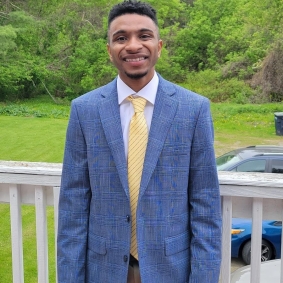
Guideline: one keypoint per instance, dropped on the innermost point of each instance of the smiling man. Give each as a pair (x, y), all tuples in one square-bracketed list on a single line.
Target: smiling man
[(139, 198)]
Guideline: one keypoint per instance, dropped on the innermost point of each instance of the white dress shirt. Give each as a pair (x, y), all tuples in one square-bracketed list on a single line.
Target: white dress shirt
[(127, 109)]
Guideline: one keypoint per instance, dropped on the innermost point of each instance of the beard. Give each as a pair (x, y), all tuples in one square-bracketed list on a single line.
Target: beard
[(136, 76)]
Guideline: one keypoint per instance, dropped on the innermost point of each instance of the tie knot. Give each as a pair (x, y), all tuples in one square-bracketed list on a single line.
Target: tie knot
[(138, 103)]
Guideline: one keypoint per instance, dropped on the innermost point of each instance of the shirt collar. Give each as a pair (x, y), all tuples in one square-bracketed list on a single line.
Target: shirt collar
[(148, 92)]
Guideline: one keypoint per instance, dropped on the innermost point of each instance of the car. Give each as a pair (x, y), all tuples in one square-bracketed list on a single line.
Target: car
[(265, 159), (269, 272), (241, 239)]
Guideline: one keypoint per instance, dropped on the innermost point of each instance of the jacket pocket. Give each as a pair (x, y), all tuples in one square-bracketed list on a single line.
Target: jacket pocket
[(177, 243), (97, 244)]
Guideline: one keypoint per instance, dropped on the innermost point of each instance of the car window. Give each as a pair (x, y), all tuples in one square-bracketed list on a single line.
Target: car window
[(277, 166), (251, 166), (227, 160)]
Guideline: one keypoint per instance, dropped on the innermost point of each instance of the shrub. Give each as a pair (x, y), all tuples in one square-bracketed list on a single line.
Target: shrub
[(269, 79), (210, 84)]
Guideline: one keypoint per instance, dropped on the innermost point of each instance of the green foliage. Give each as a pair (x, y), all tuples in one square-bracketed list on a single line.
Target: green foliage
[(58, 47), (170, 69), (169, 12), (212, 85), (40, 107), (19, 64), (89, 65), (7, 39), (192, 41)]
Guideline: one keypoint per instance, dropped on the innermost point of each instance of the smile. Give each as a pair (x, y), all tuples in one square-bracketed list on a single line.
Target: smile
[(135, 59)]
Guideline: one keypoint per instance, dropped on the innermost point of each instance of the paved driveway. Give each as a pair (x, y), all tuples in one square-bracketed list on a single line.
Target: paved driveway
[(236, 263)]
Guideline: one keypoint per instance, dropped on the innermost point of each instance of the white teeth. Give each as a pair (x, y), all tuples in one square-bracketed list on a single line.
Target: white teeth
[(135, 59)]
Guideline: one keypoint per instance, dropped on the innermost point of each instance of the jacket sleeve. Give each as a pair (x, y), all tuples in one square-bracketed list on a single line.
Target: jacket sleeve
[(204, 198), (74, 201)]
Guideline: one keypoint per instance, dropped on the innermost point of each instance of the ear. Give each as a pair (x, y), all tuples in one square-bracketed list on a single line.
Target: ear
[(160, 43), (109, 52)]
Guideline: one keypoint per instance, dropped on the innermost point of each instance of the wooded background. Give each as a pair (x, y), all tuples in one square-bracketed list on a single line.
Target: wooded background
[(228, 50)]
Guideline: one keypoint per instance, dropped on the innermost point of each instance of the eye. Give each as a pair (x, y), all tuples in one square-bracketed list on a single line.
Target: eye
[(145, 36), (121, 39)]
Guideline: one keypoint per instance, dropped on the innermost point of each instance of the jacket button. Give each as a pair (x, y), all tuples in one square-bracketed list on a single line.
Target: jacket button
[(125, 258), (128, 218)]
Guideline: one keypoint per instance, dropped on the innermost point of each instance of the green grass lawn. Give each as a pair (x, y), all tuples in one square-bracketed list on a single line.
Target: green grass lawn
[(243, 125), (32, 139), (35, 131)]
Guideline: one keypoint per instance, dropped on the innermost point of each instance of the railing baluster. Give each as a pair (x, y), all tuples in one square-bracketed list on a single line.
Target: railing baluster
[(41, 235), (256, 240), (56, 192), (16, 231), (226, 239)]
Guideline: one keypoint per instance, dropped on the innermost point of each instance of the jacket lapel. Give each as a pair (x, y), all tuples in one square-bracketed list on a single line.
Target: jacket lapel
[(164, 112), (111, 123)]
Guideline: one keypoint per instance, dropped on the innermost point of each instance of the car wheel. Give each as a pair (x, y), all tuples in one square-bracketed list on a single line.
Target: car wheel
[(266, 252)]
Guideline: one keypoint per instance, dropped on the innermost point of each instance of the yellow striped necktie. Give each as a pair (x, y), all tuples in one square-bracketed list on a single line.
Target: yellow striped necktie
[(138, 137)]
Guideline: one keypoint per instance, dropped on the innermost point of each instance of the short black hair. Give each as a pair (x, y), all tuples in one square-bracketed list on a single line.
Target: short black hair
[(132, 7)]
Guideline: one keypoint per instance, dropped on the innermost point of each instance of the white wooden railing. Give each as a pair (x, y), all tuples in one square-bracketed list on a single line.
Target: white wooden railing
[(36, 184), (246, 195), (249, 195)]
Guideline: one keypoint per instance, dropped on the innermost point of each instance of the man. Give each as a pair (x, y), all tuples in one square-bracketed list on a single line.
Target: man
[(159, 148)]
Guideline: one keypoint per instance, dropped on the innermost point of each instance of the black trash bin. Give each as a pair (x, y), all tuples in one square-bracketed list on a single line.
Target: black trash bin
[(278, 119)]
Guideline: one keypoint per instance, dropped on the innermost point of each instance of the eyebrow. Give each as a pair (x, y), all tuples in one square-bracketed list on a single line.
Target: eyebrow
[(121, 31)]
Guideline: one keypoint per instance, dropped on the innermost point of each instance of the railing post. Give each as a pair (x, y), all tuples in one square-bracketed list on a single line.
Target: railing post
[(41, 235), (56, 192), (16, 233), (256, 240), (226, 239)]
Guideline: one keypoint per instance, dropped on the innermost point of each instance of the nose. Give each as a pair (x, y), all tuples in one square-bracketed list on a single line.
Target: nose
[(133, 44)]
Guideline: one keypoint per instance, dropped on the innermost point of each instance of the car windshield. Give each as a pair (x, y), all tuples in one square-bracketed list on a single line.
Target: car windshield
[(227, 160)]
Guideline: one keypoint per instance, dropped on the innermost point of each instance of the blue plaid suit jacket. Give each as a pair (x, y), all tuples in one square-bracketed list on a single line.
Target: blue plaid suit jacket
[(178, 213)]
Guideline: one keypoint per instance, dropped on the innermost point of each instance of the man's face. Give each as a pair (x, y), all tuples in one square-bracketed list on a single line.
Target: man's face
[(134, 47)]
